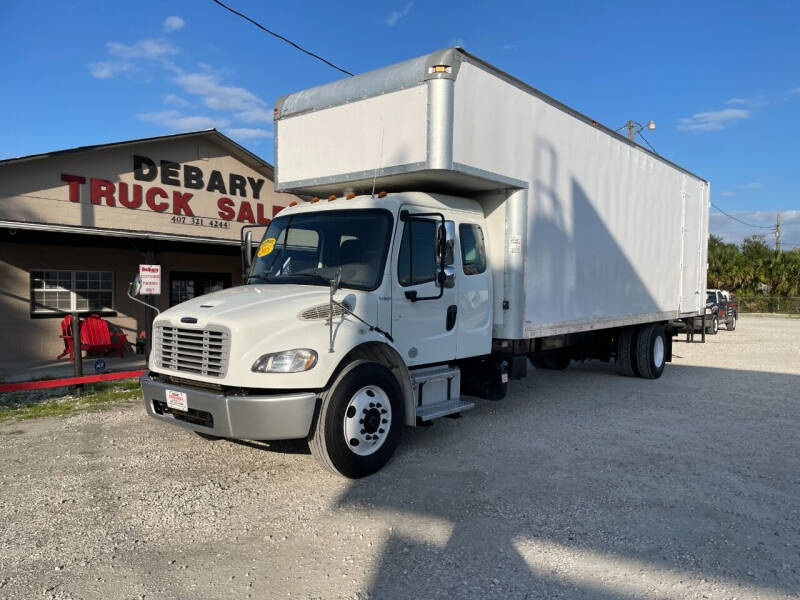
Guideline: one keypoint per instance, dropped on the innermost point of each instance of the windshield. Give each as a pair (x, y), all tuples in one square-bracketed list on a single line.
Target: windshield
[(309, 248), (711, 297)]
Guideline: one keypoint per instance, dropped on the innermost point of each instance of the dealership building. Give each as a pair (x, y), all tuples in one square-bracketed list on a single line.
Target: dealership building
[(75, 226)]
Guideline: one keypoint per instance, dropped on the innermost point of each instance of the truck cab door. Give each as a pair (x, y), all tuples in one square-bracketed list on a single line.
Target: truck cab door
[(424, 313)]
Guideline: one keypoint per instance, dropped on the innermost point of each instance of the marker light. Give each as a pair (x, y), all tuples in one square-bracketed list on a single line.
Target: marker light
[(293, 203), (440, 69), (350, 196), (314, 199), (289, 361), (332, 197), (382, 194)]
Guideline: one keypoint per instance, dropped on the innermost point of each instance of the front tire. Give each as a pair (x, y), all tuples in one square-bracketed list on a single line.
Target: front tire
[(360, 421), (731, 326), (651, 351), (713, 329)]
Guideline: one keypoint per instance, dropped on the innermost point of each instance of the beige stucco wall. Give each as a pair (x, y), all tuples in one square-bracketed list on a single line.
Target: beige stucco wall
[(33, 190), (27, 338)]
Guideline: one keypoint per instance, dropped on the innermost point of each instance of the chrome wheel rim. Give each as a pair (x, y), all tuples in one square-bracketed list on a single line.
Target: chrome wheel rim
[(658, 351), (367, 420)]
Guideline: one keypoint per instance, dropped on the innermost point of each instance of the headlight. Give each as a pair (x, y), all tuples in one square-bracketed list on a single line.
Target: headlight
[(708, 310), (288, 361)]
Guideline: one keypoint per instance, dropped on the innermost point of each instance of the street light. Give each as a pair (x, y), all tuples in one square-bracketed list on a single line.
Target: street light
[(634, 128)]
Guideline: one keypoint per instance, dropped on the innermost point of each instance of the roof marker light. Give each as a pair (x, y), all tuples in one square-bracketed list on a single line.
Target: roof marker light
[(350, 196), (382, 194), (314, 199), (332, 197), (440, 69), (293, 203)]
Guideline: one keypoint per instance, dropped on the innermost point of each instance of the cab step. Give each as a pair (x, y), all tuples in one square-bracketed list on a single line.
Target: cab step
[(437, 392), (442, 409)]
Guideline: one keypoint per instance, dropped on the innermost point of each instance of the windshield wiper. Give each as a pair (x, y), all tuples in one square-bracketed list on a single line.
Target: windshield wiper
[(262, 278), (316, 276)]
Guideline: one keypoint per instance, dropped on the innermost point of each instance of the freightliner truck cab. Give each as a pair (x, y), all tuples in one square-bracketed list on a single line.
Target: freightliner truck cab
[(408, 281)]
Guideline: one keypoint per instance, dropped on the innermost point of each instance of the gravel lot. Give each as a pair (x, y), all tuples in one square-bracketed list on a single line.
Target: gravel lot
[(581, 484)]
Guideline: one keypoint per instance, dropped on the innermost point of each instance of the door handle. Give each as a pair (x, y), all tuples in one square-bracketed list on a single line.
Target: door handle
[(452, 311)]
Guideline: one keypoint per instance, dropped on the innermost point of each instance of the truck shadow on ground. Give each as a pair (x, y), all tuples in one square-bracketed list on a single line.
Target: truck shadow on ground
[(626, 490)]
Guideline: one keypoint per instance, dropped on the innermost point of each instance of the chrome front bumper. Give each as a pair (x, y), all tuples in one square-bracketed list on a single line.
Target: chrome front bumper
[(268, 417)]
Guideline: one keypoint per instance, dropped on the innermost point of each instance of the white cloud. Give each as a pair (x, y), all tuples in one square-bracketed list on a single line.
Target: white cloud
[(218, 96), (754, 185), (107, 70), (177, 121), (396, 15), (173, 24), (727, 194), (795, 90), (256, 115), (175, 100), (713, 120), (510, 46), (150, 48), (248, 133)]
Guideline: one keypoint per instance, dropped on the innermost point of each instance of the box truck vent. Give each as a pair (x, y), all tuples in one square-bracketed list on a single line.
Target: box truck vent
[(322, 311), (200, 351)]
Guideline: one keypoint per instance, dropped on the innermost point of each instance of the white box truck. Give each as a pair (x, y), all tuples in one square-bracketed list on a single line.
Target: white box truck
[(507, 227)]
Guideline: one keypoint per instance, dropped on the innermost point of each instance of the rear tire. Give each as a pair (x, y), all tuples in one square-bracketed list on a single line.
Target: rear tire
[(651, 351), (731, 325), (342, 440), (626, 355)]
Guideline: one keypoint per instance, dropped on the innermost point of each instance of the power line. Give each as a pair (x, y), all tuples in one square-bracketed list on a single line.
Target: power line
[(280, 37), (740, 221), (648, 143)]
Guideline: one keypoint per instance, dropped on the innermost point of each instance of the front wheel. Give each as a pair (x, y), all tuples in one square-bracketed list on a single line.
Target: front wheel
[(713, 329), (360, 421), (731, 323)]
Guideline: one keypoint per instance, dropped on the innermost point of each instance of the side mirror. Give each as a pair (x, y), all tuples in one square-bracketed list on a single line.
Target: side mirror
[(446, 278), (135, 286), (247, 253)]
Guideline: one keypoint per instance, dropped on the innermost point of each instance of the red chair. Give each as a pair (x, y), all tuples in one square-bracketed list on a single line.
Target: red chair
[(95, 335)]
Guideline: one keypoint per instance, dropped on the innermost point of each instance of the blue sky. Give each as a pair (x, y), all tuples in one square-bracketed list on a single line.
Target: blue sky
[(720, 79)]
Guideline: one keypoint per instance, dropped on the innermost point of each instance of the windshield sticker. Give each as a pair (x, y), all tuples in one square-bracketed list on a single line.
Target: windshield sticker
[(266, 247)]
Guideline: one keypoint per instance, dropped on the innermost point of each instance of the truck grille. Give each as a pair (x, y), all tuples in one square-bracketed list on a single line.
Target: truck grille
[(201, 351)]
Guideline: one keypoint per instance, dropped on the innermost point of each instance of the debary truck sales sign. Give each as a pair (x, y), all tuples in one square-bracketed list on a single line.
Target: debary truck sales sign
[(175, 187)]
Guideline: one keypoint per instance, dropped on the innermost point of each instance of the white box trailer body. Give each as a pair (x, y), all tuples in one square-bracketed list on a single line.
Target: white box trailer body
[(586, 229)]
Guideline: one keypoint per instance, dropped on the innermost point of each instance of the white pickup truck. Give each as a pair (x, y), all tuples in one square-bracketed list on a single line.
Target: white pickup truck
[(514, 229)]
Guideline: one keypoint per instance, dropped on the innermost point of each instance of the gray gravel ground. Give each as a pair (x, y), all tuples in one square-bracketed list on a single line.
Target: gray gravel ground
[(581, 484)]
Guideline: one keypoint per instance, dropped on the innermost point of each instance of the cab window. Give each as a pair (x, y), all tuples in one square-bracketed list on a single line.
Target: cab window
[(473, 250), (416, 262)]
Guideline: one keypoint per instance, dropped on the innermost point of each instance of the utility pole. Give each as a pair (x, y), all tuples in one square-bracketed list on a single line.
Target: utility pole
[(778, 234), (631, 132)]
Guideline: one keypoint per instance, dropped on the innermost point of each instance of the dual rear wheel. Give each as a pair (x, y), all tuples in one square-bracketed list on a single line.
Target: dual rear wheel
[(642, 351)]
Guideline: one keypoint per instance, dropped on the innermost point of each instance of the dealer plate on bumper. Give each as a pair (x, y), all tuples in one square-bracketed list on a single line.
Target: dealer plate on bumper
[(177, 400)]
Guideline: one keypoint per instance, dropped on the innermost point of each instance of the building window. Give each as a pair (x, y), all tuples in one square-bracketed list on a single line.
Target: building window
[(58, 292), (185, 285)]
